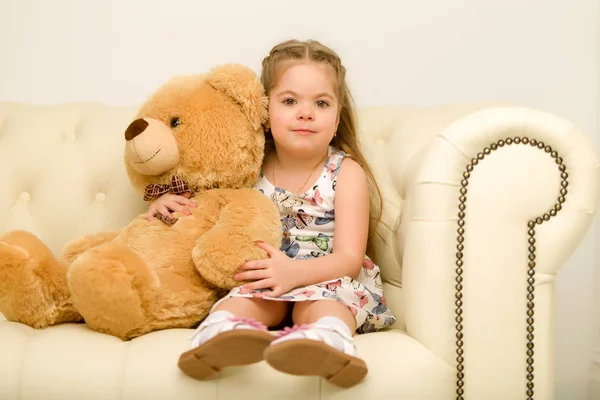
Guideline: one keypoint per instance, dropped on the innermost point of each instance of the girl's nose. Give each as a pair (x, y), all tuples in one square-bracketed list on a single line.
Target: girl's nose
[(305, 114)]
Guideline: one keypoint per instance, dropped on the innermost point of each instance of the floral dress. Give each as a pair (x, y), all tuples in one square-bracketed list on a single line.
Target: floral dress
[(308, 222)]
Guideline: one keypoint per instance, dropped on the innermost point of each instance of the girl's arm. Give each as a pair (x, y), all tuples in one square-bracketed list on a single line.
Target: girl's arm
[(281, 273), (351, 230)]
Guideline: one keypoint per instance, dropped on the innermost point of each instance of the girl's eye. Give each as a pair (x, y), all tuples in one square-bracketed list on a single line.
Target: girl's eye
[(289, 102), (322, 103)]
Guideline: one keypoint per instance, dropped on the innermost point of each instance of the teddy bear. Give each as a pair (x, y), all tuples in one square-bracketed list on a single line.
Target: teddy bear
[(199, 136)]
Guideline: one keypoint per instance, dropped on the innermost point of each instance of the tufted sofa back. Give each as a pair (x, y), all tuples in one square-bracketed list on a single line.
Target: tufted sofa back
[(62, 172)]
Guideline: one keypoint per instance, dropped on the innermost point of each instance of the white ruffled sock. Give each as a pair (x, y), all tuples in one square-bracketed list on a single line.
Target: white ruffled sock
[(329, 330), (218, 322)]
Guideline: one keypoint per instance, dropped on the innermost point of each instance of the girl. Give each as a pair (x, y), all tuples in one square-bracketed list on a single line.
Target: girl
[(316, 175)]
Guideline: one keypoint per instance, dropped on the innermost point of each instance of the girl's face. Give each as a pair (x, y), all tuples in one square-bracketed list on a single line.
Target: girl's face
[(303, 108)]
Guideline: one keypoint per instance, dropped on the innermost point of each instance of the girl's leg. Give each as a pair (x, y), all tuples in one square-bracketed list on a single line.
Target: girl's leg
[(269, 313), (308, 312), (320, 344), (235, 333)]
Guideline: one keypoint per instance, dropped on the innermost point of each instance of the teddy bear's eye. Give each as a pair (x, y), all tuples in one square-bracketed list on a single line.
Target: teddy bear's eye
[(175, 122)]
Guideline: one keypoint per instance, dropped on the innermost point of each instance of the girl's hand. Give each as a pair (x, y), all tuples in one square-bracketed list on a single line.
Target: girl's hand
[(169, 202), (277, 272)]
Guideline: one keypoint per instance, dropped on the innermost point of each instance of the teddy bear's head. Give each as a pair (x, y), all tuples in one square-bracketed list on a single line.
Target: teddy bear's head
[(204, 129)]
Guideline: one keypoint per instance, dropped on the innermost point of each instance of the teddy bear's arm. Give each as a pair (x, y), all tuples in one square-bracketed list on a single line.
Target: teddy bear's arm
[(247, 217), (77, 246)]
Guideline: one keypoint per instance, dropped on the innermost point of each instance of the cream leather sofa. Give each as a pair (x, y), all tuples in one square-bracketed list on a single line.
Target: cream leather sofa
[(461, 184)]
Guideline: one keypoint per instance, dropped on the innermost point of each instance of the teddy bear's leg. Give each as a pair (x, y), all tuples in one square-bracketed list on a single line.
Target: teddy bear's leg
[(117, 293), (33, 284), (110, 286), (77, 246)]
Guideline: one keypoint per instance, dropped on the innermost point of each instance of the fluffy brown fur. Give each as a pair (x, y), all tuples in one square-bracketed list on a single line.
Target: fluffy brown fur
[(152, 276)]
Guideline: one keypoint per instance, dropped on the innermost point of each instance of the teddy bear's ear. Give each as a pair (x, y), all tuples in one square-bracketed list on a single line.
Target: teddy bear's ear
[(242, 84)]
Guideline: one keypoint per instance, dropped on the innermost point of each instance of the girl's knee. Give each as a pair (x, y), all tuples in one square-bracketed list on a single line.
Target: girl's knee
[(272, 305), (266, 311), (311, 311)]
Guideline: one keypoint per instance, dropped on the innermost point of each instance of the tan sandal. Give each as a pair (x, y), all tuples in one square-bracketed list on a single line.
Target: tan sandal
[(234, 345), (313, 355)]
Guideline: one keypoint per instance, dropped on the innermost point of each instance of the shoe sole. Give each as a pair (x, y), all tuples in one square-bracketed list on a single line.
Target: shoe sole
[(307, 357), (235, 347)]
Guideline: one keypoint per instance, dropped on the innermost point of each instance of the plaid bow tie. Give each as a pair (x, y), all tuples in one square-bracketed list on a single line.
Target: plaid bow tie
[(155, 190)]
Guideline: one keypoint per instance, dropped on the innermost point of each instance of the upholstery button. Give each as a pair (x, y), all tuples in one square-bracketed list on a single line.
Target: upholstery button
[(25, 197), (69, 136), (100, 196)]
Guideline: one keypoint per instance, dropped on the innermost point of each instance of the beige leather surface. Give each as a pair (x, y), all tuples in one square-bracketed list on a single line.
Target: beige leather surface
[(62, 176)]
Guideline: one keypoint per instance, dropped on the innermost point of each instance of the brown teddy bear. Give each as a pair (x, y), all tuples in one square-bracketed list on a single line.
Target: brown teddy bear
[(198, 135)]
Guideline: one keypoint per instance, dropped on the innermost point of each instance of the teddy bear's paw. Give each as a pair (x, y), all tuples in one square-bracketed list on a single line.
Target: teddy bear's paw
[(218, 265), (247, 218), (14, 273), (214, 265), (33, 287), (114, 290)]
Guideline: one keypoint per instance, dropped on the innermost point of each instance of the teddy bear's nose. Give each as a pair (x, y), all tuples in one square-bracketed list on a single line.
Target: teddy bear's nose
[(135, 128)]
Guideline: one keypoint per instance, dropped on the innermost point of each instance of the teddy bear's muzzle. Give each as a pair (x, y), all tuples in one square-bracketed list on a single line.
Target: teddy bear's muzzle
[(151, 148)]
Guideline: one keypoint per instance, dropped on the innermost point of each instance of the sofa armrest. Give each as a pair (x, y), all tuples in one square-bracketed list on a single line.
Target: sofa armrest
[(502, 198)]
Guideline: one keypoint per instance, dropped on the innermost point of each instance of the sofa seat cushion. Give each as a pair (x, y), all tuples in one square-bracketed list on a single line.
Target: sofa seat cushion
[(70, 361)]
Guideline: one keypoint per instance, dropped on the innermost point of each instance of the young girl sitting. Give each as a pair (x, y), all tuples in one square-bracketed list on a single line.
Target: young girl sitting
[(316, 175)]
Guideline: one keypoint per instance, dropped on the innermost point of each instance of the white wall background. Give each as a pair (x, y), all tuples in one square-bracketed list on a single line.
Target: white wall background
[(539, 53)]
